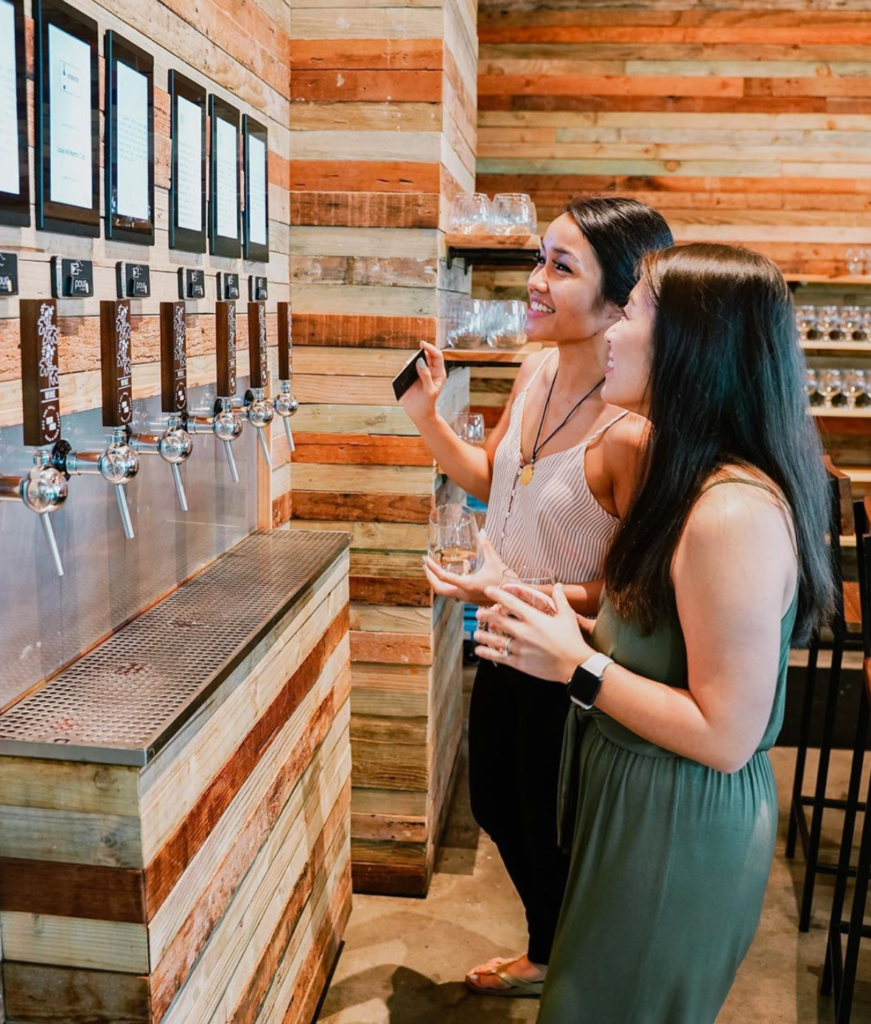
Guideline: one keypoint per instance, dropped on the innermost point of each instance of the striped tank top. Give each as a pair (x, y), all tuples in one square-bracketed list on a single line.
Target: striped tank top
[(554, 521)]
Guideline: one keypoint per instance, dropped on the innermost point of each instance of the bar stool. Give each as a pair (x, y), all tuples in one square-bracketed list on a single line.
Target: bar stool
[(845, 624), (839, 973)]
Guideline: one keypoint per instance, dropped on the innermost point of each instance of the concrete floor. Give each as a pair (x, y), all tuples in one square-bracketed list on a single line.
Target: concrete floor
[(404, 959)]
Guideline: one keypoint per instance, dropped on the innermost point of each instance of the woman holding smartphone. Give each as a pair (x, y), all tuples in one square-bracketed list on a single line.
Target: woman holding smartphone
[(720, 563), (561, 456)]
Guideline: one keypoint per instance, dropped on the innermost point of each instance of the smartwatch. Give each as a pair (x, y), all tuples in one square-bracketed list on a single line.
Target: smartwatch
[(586, 680)]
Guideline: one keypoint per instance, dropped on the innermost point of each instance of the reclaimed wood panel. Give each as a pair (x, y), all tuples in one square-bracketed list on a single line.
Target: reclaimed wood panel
[(387, 135)]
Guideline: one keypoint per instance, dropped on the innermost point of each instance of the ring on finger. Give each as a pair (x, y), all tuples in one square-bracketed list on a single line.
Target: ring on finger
[(506, 650)]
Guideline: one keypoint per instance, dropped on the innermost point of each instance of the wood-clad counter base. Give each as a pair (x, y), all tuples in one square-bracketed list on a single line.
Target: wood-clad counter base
[(194, 868)]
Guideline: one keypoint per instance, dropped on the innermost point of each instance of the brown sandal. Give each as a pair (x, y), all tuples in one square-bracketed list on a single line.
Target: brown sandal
[(517, 988)]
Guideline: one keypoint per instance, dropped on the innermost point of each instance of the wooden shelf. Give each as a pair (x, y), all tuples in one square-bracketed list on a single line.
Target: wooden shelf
[(860, 279), (864, 412), (490, 356), (491, 250), (837, 346)]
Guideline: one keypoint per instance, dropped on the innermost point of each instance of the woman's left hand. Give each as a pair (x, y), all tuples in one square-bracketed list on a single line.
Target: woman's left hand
[(542, 645), (470, 588)]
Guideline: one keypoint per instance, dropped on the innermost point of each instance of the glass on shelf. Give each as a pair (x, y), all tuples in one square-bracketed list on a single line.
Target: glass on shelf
[(855, 261), (853, 386), (810, 382), (471, 214), (829, 323), (507, 327), (453, 539), (829, 385), (851, 323), (513, 214), (805, 321), (467, 323)]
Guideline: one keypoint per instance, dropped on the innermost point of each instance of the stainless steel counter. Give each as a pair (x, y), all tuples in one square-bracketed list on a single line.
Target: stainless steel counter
[(120, 703)]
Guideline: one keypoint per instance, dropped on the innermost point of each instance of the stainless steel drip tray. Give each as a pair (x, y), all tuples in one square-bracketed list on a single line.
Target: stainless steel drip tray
[(123, 701)]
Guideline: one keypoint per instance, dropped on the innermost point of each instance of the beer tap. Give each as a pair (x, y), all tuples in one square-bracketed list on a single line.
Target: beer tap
[(174, 445), (43, 490), (225, 423), (117, 463), (257, 406), (284, 404)]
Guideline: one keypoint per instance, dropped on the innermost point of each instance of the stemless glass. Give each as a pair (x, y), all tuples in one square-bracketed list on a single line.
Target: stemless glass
[(470, 214), (829, 385), (513, 214), (469, 427), (468, 323), (507, 324), (533, 578), (811, 383), (853, 386), (453, 539)]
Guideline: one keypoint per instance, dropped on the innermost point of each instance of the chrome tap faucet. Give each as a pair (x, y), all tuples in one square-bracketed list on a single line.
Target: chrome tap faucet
[(225, 423), (257, 407), (175, 444), (284, 403), (43, 490), (117, 463)]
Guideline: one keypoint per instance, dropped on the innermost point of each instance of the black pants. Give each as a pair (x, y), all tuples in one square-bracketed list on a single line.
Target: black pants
[(515, 737)]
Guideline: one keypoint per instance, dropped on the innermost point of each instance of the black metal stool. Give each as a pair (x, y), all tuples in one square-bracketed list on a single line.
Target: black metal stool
[(845, 622), (839, 974)]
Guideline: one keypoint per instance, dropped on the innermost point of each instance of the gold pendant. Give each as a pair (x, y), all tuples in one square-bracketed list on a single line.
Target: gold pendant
[(526, 473)]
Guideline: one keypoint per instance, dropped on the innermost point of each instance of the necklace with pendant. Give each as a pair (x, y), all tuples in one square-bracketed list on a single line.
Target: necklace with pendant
[(528, 468)]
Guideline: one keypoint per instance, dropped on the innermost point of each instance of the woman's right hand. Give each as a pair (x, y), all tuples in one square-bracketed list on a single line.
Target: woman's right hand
[(420, 399)]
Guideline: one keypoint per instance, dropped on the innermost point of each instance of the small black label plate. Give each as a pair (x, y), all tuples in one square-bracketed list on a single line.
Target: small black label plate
[(71, 279), (228, 287), (191, 283), (8, 274), (133, 280), (258, 289)]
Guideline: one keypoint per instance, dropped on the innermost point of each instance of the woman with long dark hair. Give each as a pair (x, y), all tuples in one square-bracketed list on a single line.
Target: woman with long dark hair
[(560, 457), (720, 563)]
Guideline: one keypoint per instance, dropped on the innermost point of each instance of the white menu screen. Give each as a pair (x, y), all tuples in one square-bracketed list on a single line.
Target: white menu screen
[(189, 147), (132, 144), (9, 177), (70, 118), (257, 189), (227, 156)]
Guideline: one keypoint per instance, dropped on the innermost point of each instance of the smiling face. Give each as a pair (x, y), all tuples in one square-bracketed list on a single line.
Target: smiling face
[(565, 288), (630, 353)]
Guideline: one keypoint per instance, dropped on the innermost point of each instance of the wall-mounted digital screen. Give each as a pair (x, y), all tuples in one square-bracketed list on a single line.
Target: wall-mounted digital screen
[(14, 177), (224, 179), (68, 120), (187, 190), (129, 142), (256, 150)]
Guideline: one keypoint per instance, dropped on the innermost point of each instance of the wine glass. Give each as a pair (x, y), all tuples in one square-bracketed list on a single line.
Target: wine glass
[(811, 384), (851, 321), (453, 539), (470, 214), (829, 385), (855, 259), (805, 320), (852, 386), (470, 428), (829, 322)]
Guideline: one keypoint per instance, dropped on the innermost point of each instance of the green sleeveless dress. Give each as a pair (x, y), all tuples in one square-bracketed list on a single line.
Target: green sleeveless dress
[(670, 859)]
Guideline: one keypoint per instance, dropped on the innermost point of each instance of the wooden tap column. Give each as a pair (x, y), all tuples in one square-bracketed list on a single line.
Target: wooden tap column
[(383, 135)]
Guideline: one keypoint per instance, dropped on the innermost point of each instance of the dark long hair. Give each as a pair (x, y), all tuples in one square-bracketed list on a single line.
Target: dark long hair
[(726, 388), (620, 231)]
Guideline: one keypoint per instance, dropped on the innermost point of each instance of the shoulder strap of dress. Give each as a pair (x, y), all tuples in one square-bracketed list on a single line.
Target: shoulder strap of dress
[(602, 430), (538, 370)]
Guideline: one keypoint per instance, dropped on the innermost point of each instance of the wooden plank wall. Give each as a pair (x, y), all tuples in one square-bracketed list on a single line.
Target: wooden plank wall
[(214, 884), (743, 121), (238, 52), (383, 135)]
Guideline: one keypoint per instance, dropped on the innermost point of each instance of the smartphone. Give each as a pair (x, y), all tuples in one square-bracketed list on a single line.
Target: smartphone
[(407, 375)]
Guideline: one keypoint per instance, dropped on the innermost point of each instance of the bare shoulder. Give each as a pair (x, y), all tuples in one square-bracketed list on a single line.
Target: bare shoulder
[(528, 368), (624, 440)]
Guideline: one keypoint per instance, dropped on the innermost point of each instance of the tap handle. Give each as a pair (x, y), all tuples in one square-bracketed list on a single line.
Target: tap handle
[(51, 540), (173, 358), (124, 509), (225, 344), (39, 372), (288, 433), (179, 486), (231, 461), (116, 362), (285, 342), (259, 366)]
